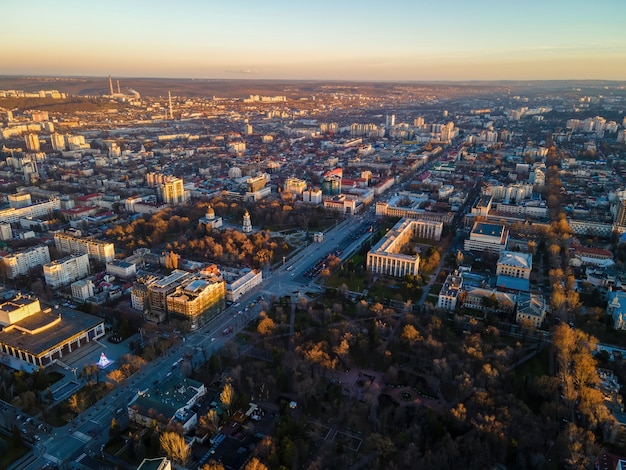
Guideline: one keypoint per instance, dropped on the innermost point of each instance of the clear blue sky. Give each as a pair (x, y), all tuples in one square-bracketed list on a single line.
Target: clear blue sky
[(300, 39)]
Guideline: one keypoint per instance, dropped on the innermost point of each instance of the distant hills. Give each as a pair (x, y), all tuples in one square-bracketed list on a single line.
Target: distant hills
[(154, 87)]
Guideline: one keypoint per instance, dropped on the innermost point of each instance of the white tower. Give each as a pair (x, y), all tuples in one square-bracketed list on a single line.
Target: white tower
[(247, 224), (111, 85)]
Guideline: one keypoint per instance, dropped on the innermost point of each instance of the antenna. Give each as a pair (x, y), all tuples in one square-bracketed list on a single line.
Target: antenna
[(169, 97), (111, 84), (118, 87)]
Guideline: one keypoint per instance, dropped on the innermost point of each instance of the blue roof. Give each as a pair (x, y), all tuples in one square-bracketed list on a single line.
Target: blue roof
[(513, 283)]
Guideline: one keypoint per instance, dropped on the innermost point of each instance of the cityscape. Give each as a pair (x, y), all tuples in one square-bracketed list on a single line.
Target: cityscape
[(313, 236), (316, 275)]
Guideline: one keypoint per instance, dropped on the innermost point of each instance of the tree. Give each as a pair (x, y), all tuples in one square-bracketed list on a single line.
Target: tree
[(211, 420), (255, 464), (114, 429), (410, 334), (227, 396), (266, 326), (77, 403), (213, 465), (175, 447)]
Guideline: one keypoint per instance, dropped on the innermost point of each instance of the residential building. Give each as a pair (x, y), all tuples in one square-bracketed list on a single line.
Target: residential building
[(18, 264), (121, 269), (295, 185), (194, 297), (103, 252), (32, 142), (64, 271)]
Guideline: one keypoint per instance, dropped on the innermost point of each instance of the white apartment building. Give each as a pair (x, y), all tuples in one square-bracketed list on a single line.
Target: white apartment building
[(20, 263), (12, 215), (98, 250), (121, 269), (66, 270), (237, 284)]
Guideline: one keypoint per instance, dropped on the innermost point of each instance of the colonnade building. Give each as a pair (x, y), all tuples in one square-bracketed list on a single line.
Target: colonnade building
[(36, 337), (387, 258)]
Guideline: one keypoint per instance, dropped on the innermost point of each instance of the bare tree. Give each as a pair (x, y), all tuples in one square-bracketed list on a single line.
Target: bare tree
[(227, 396)]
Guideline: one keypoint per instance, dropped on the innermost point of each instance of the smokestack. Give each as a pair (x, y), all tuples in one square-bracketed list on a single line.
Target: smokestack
[(111, 84), (118, 87)]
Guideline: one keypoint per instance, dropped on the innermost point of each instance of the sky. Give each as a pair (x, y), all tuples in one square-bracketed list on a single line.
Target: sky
[(387, 40)]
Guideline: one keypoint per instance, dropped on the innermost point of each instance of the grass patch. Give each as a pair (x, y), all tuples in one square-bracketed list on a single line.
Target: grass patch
[(13, 452)]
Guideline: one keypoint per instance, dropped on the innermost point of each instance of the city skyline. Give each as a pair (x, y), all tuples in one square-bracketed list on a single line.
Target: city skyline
[(327, 41)]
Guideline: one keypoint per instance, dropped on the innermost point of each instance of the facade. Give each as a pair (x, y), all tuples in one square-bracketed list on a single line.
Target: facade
[(13, 215), (450, 291), (195, 296), (36, 337), (121, 269), (474, 299), (312, 196), (386, 257), (487, 237), (514, 264), (238, 283), (98, 250), (210, 221), (385, 209), (247, 223), (531, 310), (616, 309), (6, 233), (295, 185), (20, 263), (82, 290), (170, 189), (66, 270), (19, 200), (32, 142)]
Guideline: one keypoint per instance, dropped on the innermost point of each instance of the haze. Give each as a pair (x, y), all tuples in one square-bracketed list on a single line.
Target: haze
[(347, 40)]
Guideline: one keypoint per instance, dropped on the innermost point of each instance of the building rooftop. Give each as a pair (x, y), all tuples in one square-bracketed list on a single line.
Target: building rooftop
[(519, 260), (71, 323)]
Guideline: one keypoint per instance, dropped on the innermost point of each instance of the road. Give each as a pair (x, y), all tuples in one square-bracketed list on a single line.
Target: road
[(89, 432)]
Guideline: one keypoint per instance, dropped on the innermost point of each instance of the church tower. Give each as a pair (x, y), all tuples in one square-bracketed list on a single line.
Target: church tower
[(247, 224)]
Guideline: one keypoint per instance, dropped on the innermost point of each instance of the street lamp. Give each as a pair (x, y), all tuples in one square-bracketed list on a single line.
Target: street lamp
[(74, 369)]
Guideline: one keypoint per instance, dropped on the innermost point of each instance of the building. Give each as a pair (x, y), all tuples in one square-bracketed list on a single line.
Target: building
[(121, 269), (480, 299), (247, 223), (514, 264), (66, 270), (450, 291), (19, 200), (6, 233), (295, 185), (170, 189), (82, 290), (13, 215), (210, 221), (342, 204), (159, 463), (194, 297), (34, 337), (103, 252), (616, 309), (386, 257), (531, 310), (171, 402), (312, 196), (19, 264), (32, 142), (487, 237), (58, 142), (240, 282)]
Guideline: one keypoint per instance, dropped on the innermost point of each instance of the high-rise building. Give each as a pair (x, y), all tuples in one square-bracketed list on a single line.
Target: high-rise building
[(620, 213), (18, 264), (66, 270), (58, 142), (96, 249), (32, 142)]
